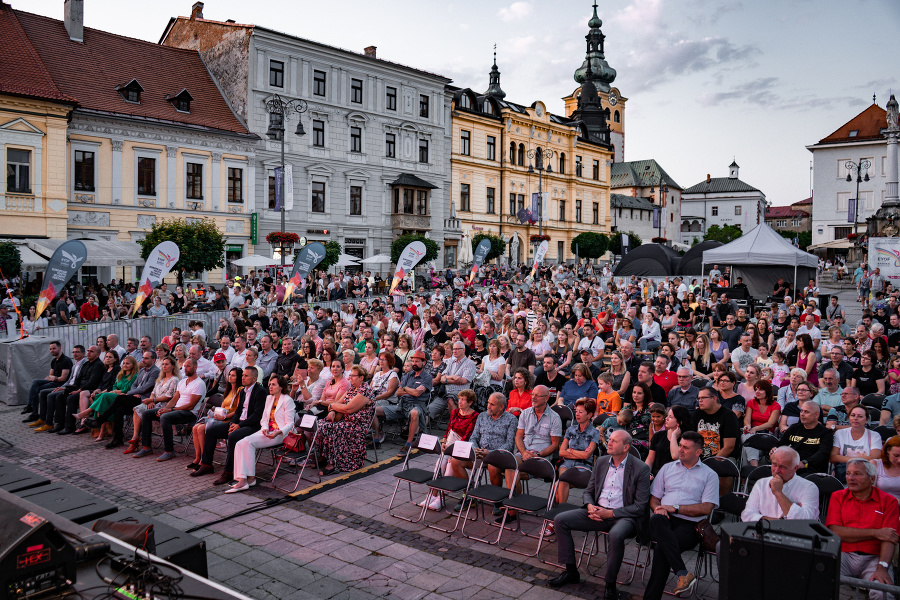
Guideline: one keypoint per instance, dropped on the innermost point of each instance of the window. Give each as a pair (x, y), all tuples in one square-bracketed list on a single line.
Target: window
[(235, 185), (841, 233), (465, 139), (562, 163), (465, 101), (521, 198), (390, 145), (408, 197), (738, 210), (488, 107), (194, 189), (596, 214), (596, 170), (521, 155), (715, 211), (319, 83), (318, 196), (423, 151), (577, 165), (132, 92), (464, 204), (795, 222), (319, 134), (423, 107), (867, 200), (562, 210), (271, 192), (449, 256), (491, 148), (781, 223), (489, 199), (512, 204), (390, 98), (18, 171), (355, 139), (512, 153), (183, 103), (559, 250), (146, 182), (421, 202), (578, 211), (616, 117), (276, 73), (843, 201), (842, 168), (84, 171), (355, 199), (356, 91)]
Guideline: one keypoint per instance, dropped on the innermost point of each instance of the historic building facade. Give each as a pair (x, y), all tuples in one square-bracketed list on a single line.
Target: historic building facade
[(720, 201), (373, 162), (649, 186)]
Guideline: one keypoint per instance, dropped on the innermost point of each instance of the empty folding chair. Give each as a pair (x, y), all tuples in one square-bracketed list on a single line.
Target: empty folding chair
[(565, 414), (531, 504), (755, 475), (448, 485), (487, 492), (577, 478), (724, 468), (427, 444), (308, 425)]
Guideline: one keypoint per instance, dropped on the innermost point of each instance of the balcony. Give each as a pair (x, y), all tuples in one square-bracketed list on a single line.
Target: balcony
[(402, 221), (19, 203)]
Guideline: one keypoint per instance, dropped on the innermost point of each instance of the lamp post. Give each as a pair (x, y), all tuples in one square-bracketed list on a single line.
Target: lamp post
[(663, 191), (539, 155), (278, 109), (859, 167)]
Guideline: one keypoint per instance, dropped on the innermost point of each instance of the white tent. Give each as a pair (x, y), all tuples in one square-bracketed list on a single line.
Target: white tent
[(757, 256)]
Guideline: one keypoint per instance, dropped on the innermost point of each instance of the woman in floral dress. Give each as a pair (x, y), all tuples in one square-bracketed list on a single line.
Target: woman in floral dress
[(342, 440)]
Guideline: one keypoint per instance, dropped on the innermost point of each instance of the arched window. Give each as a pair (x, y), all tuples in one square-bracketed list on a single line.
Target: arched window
[(521, 155), (685, 227), (465, 101), (562, 163), (617, 117), (488, 107), (512, 152)]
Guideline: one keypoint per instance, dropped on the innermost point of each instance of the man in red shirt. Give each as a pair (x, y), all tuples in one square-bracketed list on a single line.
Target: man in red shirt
[(89, 311), (867, 520), (662, 376), (466, 333)]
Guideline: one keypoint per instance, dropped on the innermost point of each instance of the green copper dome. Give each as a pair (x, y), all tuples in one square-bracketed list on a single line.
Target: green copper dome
[(602, 75)]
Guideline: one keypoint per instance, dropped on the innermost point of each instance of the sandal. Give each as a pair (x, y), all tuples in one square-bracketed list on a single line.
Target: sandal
[(328, 471), (132, 446)]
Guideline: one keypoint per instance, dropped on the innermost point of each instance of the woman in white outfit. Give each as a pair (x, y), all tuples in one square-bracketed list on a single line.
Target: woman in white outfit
[(277, 419)]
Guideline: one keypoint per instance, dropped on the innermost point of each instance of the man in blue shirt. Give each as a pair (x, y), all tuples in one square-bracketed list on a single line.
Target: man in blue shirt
[(413, 396)]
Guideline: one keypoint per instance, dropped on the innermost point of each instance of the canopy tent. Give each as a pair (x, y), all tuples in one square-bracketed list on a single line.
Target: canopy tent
[(761, 256), (255, 260), (691, 263), (649, 260), (377, 259), (31, 260), (100, 253)]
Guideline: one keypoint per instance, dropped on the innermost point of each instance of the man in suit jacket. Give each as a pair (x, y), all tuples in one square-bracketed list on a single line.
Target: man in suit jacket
[(251, 402), (88, 378), (615, 501)]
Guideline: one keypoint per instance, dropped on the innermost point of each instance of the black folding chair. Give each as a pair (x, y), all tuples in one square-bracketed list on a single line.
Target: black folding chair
[(885, 432), (488, 492), (873, 401), (577, 478), (755, 475), (827, 484), (531, 504), (565, 415), (764, 442), (411, 475), (724, 468), (309, 459), (448, 485), (733, 504)]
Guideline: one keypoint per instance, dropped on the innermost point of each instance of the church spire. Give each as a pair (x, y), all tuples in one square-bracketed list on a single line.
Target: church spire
[(602, 74), (494, 88)]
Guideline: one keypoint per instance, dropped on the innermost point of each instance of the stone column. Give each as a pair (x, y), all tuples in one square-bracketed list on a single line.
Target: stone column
[(892, 133), (117, 172), (171, 170), (218, 198)]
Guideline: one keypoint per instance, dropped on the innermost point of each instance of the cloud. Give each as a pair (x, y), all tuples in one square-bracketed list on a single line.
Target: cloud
[(515, 11), (770, 93)]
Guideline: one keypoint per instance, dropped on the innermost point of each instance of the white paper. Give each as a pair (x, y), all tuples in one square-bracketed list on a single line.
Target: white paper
[(308, 421), (462, 450), (428, 441), (220, 411)]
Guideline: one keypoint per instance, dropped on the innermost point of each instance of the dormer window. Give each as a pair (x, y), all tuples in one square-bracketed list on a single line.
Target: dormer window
[(465, 102), (131, 91), (181, 101), (488, 108), (853, 133)]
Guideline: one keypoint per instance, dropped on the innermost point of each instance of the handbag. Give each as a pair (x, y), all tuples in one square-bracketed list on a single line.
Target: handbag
[(139, 535), (708, 536), (295, 442)]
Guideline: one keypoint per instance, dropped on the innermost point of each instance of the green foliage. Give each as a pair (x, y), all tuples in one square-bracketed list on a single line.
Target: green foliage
[(431, 247), (332, 255), (695, 241), (725, 234), (805, 237), (201, 244), (590, 245), (10, 260), (615, 242), (498, 246)]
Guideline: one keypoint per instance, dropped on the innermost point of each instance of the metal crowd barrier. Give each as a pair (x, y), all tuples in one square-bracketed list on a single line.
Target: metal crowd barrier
[(864, 584)]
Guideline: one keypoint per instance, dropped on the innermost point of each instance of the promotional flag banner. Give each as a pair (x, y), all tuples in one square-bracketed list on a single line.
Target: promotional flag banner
[(158, 265), (851, 210), (63, 264), (288, 187), (409, 258), (539, 256), (277, 189), (481, 252), (307, 259), (656, 217), (625, 244)]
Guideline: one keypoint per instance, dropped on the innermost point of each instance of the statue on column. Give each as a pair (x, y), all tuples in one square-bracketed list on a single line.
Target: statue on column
[(514, 252), (892, 113)]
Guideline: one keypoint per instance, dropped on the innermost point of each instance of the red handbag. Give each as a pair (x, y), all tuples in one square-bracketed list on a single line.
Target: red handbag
[(295, 442)]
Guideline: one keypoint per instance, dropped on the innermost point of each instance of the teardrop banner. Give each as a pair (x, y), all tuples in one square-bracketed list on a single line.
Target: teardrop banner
[(307, 259), (63, 264), (409, 258), (539, 257), (481, 252), (157, 266)]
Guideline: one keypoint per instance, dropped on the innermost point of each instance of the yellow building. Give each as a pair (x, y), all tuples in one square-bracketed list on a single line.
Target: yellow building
[(497, 147)]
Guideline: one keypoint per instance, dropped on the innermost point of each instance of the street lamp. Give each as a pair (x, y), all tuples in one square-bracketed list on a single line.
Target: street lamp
[(278, 109), (539, 155), (663, 191), (862, 165)]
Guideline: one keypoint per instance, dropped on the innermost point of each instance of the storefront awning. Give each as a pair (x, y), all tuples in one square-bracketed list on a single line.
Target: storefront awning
[(100, 253)]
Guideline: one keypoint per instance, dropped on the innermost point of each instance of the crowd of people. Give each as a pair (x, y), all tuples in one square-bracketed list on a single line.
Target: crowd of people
[(677, 372)]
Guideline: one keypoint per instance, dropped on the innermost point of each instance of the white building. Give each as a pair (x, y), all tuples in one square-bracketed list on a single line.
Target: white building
[(720, 201), (647, 181), (857, 141), (635, 215)]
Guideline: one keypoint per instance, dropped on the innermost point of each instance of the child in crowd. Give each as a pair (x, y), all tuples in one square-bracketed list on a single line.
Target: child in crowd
[(780, 371), (608, 401), (619, 421), (763, 359)]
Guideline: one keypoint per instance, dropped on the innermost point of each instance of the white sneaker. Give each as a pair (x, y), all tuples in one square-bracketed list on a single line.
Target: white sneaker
[(436, 503)]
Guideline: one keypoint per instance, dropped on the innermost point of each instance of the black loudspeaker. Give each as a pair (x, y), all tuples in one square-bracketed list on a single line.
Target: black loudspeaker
[(779, 560), (34, 555)]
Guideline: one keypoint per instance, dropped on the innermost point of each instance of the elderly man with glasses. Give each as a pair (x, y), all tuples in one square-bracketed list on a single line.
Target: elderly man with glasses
[(685, 393)]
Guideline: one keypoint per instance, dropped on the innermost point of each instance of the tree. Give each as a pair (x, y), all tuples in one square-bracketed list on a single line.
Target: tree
[(725, 234), (498, 246), (615, 242), (590, 245), (201, 244), (431, 247), (10, 259), (805, 237), (332, 255)]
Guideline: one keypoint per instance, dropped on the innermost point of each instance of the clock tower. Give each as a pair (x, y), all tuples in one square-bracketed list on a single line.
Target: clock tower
[(597, 69)]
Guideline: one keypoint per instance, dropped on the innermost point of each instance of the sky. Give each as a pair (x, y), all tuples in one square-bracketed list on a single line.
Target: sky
[(707, 81)]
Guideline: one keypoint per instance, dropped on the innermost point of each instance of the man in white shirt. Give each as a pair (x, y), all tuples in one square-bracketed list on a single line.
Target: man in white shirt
[(226, 348), (784, 494), (205, 368), (592, 342), (682, 288), (112, 341), (743, 356), (239, 359), (809, 326), (181, 409)]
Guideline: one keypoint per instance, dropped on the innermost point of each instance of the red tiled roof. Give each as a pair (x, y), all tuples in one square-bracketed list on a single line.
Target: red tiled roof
[(783, 212), (805, 202), (868, 125), (23, 74), (90, 73)]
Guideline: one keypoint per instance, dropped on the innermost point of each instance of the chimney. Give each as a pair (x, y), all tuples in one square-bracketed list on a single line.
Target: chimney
[(370, 51), (707, 178), (197, 11), (73, 12)]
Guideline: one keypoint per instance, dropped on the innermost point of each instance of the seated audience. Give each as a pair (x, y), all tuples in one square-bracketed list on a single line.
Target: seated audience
[(784, 495), (342, 435), (810, 439)]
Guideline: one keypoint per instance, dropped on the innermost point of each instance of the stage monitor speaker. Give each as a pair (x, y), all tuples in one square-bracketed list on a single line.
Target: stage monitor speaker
[(779, 560), (34, 555)]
